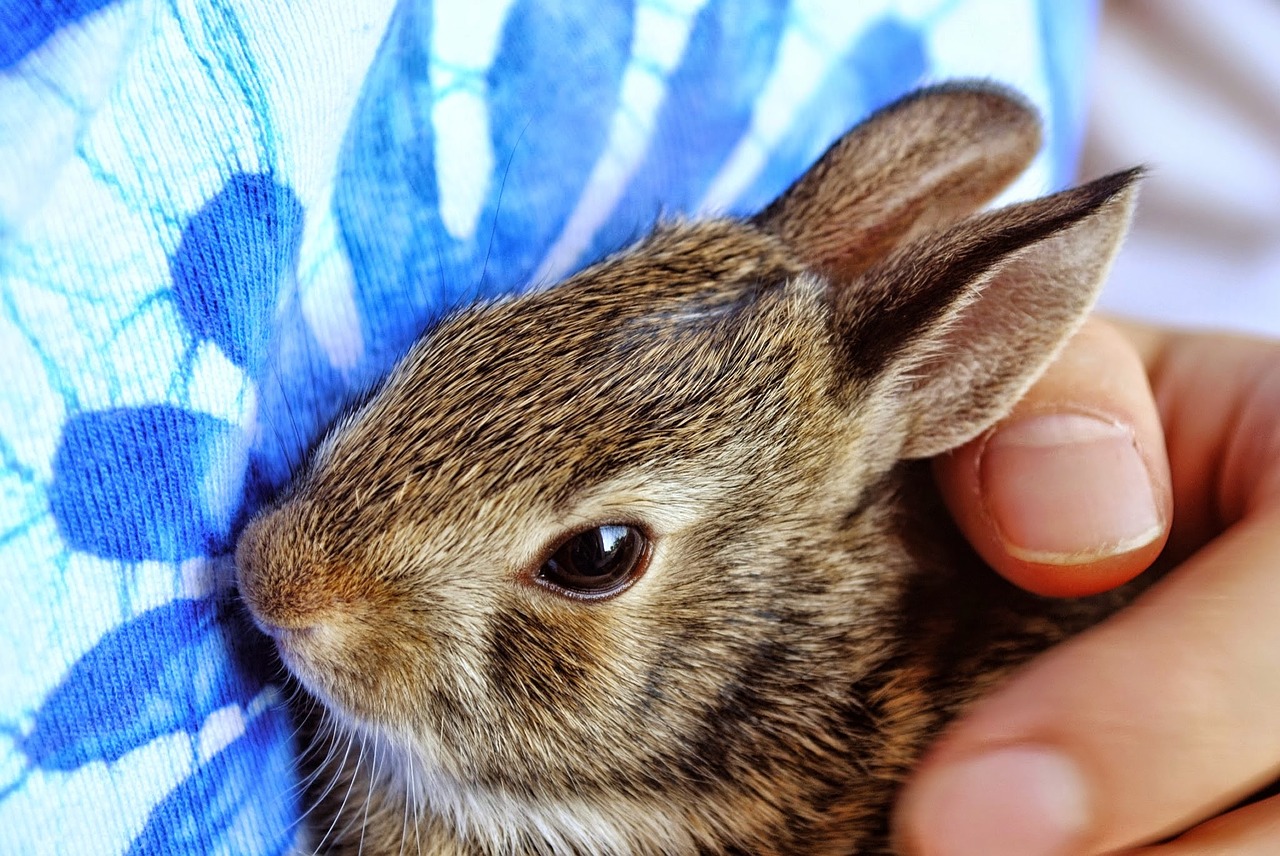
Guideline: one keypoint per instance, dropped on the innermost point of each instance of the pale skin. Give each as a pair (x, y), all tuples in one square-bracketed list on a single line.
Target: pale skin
[(1164, 717)]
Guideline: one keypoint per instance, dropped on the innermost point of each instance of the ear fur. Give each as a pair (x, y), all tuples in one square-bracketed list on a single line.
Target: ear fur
[(951, 329), (917, 165), (941, 323)]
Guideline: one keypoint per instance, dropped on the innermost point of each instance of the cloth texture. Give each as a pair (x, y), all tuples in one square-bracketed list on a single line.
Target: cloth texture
[(221, 221)]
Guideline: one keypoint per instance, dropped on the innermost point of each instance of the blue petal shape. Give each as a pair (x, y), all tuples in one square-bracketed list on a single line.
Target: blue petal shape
[(27, 24), (162, 672), (299, 395), (244, 800), (710, 99), (887, 60), (553, 90), (129, 483), (385, 196), (233, 255)]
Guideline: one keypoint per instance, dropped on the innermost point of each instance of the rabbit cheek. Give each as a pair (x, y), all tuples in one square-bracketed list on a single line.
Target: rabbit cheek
[(544, 665), (538, 666), (553, 676)]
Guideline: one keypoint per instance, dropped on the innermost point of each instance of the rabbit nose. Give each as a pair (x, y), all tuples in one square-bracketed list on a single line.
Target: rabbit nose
[(282, 582)]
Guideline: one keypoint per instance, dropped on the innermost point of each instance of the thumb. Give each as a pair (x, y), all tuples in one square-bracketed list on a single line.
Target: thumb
[(1070, 494)]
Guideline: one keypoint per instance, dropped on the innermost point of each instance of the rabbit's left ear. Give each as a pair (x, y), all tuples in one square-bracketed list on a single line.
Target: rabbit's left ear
[(941, 338)]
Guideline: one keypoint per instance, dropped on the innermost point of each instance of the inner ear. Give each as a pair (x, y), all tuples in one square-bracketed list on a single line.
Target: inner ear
[(916, 165), (952, 329)]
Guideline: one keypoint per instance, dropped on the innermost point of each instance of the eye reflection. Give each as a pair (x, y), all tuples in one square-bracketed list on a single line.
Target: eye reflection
[(597, 562)]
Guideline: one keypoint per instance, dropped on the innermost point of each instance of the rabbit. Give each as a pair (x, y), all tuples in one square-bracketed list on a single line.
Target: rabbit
[(650, 561)]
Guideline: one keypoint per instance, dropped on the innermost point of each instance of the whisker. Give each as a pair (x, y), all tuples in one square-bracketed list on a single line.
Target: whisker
[(416, 795), (355, 774), (497, 209), (291, 705), (288, 409), (275, 432), (311, 749), (337, 774), (368, 797), (404, 824), (429, 305)]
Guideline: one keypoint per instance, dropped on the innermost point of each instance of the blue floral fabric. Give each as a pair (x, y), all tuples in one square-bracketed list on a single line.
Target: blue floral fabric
[(221, 220)]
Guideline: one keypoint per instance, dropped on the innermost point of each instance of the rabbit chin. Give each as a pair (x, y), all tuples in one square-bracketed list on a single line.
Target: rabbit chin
[(499, 821)]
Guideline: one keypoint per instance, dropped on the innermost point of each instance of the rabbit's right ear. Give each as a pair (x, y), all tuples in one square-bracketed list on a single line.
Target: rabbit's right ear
[(917, 165), (942, 318)]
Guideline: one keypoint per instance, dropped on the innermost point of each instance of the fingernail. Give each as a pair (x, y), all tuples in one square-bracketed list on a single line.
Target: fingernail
[(1066, 488), (1020, 801)]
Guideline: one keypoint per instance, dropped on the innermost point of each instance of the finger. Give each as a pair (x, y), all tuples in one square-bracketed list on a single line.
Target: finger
[(1070, 494), (1250, 831), (1219, 398), (1162, 716)]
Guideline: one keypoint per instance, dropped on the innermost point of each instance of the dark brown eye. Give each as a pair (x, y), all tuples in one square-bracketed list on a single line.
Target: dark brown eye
[(597, 562)]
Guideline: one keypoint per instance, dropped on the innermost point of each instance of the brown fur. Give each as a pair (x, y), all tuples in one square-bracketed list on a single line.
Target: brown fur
[(748, 393)]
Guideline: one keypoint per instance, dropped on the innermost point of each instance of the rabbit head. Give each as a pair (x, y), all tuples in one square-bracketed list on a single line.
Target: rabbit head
[(607, 567)]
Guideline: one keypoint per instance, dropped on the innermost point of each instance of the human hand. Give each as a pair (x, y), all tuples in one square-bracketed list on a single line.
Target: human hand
[(1168, 713)]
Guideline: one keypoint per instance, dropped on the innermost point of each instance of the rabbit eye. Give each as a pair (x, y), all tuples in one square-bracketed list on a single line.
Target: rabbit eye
[(597, 563)]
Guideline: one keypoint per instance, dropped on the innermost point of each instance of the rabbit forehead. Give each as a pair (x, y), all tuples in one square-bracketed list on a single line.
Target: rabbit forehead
[(679, 349)]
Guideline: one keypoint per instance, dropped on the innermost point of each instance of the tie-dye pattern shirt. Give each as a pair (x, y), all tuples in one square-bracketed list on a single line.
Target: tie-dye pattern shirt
[(221, 219)]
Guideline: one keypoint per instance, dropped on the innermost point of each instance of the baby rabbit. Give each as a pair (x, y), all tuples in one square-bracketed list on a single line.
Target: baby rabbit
[(646, 563)]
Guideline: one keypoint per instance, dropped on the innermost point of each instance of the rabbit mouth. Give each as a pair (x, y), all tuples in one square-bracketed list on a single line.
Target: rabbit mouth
[(313, 656)]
